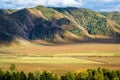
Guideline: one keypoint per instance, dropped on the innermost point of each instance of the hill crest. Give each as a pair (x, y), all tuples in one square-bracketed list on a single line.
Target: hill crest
[(59, 24)]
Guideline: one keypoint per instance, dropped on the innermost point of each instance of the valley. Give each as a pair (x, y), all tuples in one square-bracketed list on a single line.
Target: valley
[(61, 58), (59, 39)]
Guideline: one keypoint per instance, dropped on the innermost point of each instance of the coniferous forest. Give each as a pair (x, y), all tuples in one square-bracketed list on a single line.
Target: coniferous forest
[(90, 74)]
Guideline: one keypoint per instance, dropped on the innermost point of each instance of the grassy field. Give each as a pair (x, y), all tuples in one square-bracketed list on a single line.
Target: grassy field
[(61, 58)]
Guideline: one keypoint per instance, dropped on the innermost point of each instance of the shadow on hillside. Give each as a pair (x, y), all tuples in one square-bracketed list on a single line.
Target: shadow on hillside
[(98, 40)]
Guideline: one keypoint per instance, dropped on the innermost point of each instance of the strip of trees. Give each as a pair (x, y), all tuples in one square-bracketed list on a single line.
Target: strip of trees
[(97, 74)]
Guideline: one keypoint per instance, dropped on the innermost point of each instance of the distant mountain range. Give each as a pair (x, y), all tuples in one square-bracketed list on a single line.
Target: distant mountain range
[(59, 25)]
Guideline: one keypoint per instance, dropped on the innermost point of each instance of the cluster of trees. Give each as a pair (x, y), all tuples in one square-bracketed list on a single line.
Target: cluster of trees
[(13, 74), (93, 21), (76, 31), (116, 16), (67, 24), (31, 76), (48, 12), (98, 74), (112, 15)]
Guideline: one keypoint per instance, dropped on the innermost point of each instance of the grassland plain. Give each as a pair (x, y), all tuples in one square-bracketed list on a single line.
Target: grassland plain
[(61, 58)]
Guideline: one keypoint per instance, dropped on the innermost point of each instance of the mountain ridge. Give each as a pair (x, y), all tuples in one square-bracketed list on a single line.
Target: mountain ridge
[(59, 25)]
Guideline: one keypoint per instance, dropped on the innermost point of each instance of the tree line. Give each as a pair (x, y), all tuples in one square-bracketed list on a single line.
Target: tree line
[(90, 74)]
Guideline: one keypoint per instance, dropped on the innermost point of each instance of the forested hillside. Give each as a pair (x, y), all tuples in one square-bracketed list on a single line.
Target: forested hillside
[(59, 25), (94, 22)]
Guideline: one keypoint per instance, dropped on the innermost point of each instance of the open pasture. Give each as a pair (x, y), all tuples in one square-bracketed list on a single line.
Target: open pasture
[(61, 58)]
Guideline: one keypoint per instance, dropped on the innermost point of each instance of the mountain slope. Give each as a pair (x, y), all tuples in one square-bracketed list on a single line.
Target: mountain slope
[(114, 16), (93, 22), (59, 25), (9, 28)]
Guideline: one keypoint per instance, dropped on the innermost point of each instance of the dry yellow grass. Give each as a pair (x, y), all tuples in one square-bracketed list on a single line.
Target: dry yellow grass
[(57, 68), (61, 58), (88, 48)]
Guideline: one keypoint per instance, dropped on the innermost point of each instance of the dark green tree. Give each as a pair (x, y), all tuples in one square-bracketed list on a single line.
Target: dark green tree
[(90, 74), (82, 76), (70, 76), (1, 74), (37, 75), (7, 76), (98, 75), (48, 76), (106, 78), (23, 76), (31, 76), (113, 75)]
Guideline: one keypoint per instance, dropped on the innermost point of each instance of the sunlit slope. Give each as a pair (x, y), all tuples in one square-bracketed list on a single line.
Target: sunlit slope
[(58, 25)]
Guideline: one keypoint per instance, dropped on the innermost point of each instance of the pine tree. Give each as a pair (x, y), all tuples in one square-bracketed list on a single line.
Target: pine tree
[(1, 74), (106, 78), (90, 74), (31, 76), (98, 75), (23, 76), (37, 75), (113, 75), (7, 76), (70, 76)]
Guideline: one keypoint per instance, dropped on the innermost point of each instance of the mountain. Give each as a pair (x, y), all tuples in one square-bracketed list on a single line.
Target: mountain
[(93, 22), (59, 25), (115, 15)]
